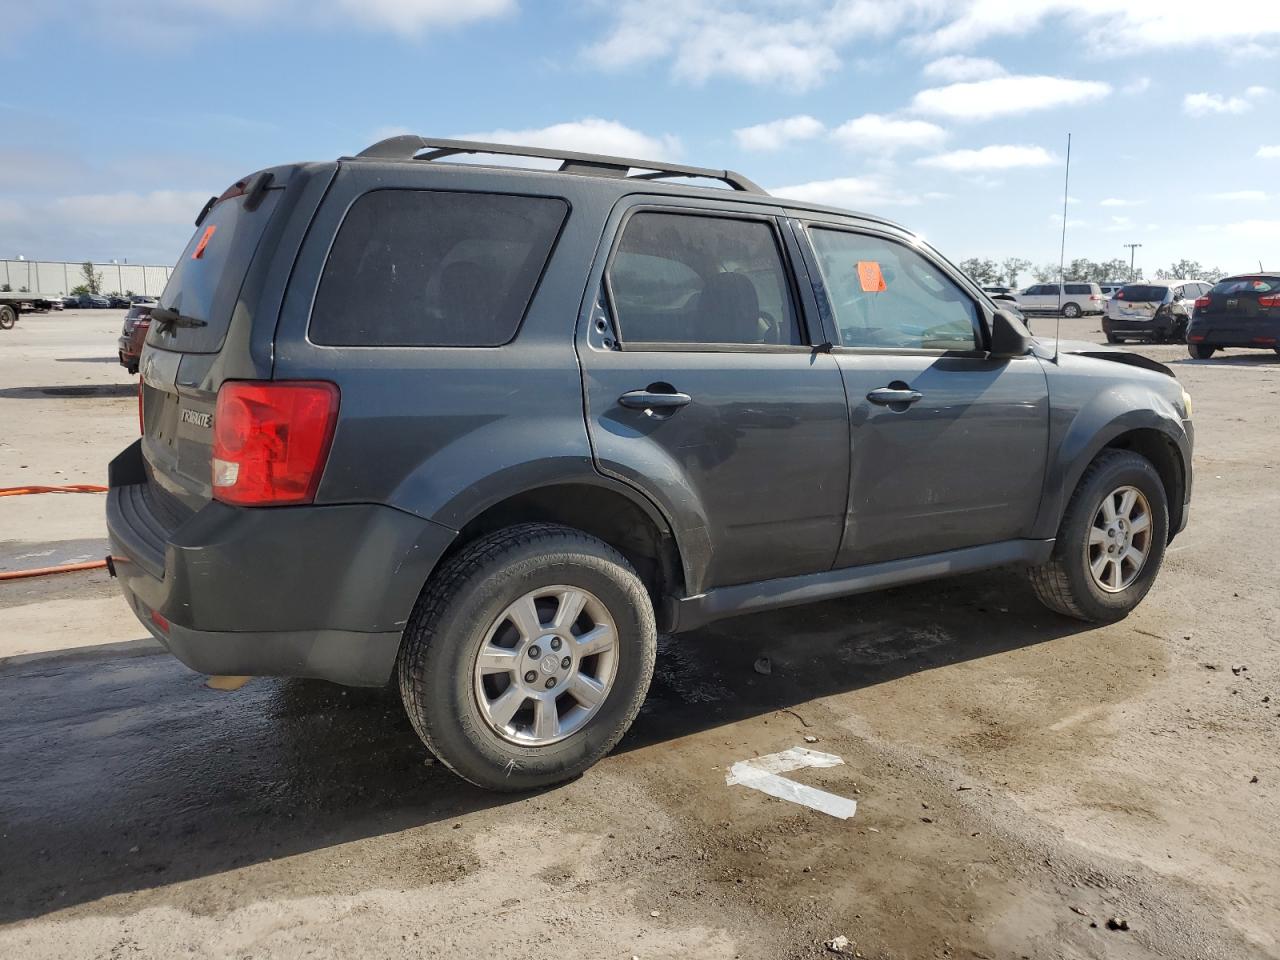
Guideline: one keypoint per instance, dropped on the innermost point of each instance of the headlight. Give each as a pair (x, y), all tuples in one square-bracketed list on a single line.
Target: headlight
[(1186, 402)]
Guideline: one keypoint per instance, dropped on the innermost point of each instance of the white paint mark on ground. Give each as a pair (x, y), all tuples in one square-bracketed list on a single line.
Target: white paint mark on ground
[(762, 773)]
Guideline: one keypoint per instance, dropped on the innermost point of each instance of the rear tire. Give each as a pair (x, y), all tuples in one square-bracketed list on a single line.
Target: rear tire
[(8, 317), (1199, 351), (504, 595), (1081, 579), (1112, 338), (1071, 310)]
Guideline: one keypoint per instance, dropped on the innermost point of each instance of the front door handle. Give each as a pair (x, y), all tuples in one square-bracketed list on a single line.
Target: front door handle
[(892, 396), (655, 400)]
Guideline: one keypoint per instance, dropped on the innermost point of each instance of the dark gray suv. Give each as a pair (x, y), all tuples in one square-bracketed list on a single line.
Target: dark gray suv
[(486, 430)]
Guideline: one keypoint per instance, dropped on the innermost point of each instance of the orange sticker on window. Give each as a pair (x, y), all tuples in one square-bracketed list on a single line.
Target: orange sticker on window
[(204, 241), (870, 277)]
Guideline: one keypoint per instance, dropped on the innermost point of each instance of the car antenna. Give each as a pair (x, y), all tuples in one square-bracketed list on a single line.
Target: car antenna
[(1062, 254)]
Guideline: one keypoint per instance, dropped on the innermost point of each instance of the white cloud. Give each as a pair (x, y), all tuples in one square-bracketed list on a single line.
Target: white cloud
[(851, 192), (778, 133), (1117, 202), (1247, 229), (157, 206), (1241, 195), (1270, 152), (415, 16), (873, 131), (1202, 104), (994, 157), (763, 42), (1107, 29), (960, 68), (1136, 86), (1119, 225), (590, 135), (1006, 96)]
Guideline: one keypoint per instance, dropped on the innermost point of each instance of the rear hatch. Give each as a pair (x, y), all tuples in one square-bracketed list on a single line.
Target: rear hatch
[(195, 337), (1136, 301), (1242, 298)]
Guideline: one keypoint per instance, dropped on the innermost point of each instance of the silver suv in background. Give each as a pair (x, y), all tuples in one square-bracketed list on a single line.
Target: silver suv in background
[(1077, 298), (1158, 311)]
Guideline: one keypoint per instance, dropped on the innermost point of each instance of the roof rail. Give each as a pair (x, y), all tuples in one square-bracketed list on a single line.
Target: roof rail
[(411, 147)]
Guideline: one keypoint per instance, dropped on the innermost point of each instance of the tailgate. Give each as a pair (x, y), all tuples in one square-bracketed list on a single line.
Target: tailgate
[(180, 368)]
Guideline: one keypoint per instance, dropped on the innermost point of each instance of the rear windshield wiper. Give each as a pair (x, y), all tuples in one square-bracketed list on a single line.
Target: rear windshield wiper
[(172, 318)]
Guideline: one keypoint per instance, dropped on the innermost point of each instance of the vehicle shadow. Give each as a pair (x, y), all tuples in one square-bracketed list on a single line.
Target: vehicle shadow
[(120, 774), (71, 392)]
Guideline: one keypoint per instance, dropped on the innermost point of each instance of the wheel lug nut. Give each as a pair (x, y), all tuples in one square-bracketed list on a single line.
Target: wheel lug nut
[(530, 676), (555, 643), (564, 664), (535, 652), (551, 682)]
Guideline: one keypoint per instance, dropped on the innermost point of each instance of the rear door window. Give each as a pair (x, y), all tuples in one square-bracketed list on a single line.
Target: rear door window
[(1079, 288), (424, 268), (206, 281), (690, 278), (884, 294)]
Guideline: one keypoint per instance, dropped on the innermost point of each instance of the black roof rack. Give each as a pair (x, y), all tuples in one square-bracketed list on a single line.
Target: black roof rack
[(411, 147)]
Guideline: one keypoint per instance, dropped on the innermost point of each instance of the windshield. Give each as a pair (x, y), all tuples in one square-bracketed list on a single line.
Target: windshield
[(1142, 293), (206, 281)]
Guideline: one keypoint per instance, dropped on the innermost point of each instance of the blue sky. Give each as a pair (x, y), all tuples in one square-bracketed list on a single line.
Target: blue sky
[(121, 118)]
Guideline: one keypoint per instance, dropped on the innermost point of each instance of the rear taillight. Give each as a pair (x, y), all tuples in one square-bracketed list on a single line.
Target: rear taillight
[(1271, 301), (142, 430), (1119, 295), (1202, 302), (271, 440), (1094, 296)]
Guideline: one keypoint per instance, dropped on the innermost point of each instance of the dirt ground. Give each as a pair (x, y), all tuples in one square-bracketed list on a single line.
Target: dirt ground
[(1021, 779)]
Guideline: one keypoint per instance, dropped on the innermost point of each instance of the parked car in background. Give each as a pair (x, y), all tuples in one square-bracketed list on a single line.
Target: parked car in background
[(999, 291), (50, 303), (1077, 298), (92, 301), (141, 298), (494, 477), (70, 303), (134, 334), (1239, 311), (1157, 311), (118, 301), (1109, 289)]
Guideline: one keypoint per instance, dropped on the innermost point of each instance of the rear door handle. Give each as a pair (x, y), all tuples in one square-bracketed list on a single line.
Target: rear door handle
[(654, 400), (889, 396)]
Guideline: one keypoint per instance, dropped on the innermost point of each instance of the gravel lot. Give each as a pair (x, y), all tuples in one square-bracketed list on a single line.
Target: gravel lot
[(1021, 780)]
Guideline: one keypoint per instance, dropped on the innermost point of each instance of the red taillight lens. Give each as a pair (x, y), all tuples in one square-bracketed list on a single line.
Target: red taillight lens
[(271, 439), (1119, 295), (1271, 301), (142, 429), (1094, 296), (1201, 302)]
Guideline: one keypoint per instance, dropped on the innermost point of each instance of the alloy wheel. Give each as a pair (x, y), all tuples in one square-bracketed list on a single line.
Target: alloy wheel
[(1119, 539)]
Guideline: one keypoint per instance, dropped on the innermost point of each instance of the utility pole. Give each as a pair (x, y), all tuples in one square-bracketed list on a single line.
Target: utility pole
[(1132, 249)]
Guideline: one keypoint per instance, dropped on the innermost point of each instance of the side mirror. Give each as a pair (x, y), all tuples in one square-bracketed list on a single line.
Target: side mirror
[(1009, 336)]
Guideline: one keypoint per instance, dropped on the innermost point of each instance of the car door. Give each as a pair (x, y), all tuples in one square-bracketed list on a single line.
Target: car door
[(948, 445), (702, 390)]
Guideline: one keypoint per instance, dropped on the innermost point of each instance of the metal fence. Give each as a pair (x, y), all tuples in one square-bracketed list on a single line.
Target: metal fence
[(57, 277)]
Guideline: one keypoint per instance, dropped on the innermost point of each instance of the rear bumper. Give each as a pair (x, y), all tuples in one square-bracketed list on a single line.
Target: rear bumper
[(314, 591), (1165, 327), (1259, 334)]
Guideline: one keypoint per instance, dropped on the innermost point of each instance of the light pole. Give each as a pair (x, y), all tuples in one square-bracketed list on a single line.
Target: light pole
[(1132, 249)]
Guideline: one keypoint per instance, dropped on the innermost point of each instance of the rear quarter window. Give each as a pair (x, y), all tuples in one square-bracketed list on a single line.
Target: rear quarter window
[(1083, 288), (423, 268)]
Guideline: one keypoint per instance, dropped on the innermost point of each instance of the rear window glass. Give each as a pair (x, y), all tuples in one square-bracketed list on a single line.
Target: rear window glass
[(1247, 285), (423, 268), (206, 280), (1142, 293), (1079, 288)]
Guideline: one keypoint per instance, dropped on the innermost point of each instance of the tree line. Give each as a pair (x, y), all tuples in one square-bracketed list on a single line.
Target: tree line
[(1007, 272)]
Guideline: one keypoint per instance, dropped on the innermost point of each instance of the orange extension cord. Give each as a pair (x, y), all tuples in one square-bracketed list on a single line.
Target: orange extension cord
[(66, 567)]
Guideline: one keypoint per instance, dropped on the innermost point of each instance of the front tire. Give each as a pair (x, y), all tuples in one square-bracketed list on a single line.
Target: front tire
[(1111, 541), (528, 656), (1199, 351)]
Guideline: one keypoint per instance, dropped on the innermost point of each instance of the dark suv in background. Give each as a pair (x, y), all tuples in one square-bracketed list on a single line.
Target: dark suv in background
[(487, 430)]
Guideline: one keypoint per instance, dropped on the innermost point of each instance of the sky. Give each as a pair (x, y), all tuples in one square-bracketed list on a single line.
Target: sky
[(119, 118)]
